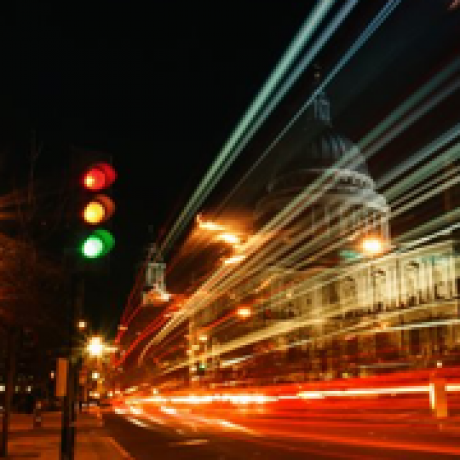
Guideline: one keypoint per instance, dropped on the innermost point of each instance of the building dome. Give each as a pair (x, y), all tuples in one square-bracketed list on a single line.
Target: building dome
[(329, 147), (327, 150), (322, 153)]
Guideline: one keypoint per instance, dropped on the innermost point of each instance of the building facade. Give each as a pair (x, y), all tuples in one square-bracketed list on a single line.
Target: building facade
[(335, 313)]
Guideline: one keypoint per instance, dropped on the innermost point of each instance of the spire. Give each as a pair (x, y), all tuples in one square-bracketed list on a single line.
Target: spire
[(321, 105), (322, 109)]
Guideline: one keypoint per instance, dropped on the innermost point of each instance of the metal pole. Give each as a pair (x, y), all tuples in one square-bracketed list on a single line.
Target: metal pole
[(12, 337), (68, 411), (65, 423)]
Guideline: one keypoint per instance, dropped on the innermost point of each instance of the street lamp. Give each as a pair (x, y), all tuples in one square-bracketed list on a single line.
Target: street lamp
[(372, 245), (95, 347), (81, 325), (244, 312)]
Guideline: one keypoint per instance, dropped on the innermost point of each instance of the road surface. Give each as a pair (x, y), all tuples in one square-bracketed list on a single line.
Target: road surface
[(357, 429)]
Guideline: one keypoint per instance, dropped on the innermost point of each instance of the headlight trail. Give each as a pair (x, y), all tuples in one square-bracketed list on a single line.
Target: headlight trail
[(418, 157), (362, 39), (289, 326), (430, 168), (231, 149), (434, 181), (450, 154), (292, 327), (380, 18), (396, 115), (416, 115), (261, 254)]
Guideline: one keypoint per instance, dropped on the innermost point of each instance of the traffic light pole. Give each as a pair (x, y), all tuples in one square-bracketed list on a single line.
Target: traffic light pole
[(69, 415), (12, 337), (94, 207)]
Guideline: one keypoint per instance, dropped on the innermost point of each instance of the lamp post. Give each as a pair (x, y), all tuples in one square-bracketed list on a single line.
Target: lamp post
[(244, 312), (95, 347), (372, 246)]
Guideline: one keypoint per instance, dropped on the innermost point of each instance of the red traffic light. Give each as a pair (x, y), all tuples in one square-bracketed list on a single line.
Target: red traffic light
[(99, 177)]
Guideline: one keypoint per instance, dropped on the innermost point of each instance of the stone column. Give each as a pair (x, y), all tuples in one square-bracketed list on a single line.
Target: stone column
[(451, 275), (429, 280)]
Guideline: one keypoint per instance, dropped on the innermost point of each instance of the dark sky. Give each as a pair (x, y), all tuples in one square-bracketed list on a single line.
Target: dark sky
[(160, 85)]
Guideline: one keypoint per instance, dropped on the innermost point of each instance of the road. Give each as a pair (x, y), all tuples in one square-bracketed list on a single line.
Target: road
[(360, 429)]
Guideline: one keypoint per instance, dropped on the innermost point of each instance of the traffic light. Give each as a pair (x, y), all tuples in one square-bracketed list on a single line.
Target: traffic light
[(97, 209)]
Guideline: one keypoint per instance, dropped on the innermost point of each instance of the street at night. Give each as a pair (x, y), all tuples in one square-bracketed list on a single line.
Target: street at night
[(230, 230), (339, 430)]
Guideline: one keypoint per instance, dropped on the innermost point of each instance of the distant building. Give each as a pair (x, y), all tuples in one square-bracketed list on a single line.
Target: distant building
[(339, 314)]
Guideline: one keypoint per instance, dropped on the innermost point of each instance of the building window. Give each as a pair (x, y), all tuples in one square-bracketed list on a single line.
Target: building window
[(330, 293), (439, 281), (412, 284), (380, 287)]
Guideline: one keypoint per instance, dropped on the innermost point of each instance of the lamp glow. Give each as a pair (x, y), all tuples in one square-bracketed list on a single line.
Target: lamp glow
[(372, 245), (95, 346), (244, 312), (99, 243), (93, 247), (94, 179), (94, 213), (99, 176)]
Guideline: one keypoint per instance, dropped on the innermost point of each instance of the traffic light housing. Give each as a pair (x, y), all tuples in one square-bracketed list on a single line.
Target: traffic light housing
[(97, 244), (99, 176), (96, 209)]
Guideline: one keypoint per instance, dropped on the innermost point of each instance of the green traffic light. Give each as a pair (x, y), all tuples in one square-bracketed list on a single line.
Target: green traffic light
[(99, 243), (93, 247)]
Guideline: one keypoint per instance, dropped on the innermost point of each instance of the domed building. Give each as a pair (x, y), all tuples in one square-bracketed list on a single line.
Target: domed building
[(318, 312), (333, 167)]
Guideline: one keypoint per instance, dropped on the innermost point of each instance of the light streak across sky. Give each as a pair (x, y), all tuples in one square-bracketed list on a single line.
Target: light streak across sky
[(294, 208), (231, 149), (412, 182)]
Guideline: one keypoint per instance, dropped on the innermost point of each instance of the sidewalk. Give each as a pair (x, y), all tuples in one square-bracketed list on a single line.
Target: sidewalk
[(92, 440)]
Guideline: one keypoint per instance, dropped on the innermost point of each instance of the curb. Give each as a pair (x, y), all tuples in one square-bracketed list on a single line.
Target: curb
[(120, 449)]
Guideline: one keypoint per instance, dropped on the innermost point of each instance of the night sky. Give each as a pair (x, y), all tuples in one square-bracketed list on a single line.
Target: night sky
[(160, 87)]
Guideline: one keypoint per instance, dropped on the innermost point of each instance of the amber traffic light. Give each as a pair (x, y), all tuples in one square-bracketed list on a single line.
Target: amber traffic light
[(98, 210)]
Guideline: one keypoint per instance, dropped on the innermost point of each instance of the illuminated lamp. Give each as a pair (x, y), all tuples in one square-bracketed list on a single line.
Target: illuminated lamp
[(99, 243), (99, 177), (98, 210)]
